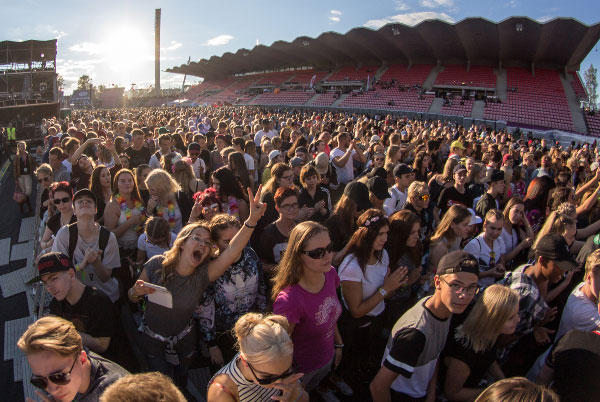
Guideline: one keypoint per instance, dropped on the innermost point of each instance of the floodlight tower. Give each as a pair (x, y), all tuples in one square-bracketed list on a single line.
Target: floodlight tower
[(157, 51)]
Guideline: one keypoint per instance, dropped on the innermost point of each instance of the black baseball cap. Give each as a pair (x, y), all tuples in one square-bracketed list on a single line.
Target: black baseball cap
[(359, 193), (85, 192), (458, 261), (459, 168), (50, 263), (194, 146), (381, 172), (378, 187), (497, 175), (401, 169), (555, 248)]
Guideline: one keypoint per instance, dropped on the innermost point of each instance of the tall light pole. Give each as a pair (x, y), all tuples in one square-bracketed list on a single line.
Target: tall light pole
[(157, 51)]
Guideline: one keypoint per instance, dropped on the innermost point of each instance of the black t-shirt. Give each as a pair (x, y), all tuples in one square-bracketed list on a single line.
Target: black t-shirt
[(137, 158), (576, 362), (94, 314), (478, 363), (321, 194), (272, 244), (79, 179), (102, 374), (53, 222), (450, 196)]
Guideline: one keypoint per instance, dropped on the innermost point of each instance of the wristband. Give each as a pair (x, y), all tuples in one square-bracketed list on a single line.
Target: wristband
[(382, 291), (248, 225), (77, 268), (338, 345)]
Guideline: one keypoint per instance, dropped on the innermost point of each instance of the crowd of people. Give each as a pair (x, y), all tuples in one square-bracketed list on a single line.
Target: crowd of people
[(320, 255)]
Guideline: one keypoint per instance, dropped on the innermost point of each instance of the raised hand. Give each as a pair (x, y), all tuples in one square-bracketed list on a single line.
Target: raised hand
[(257, 208)]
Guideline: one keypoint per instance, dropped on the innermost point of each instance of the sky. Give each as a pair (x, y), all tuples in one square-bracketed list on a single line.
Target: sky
[(113, 41)]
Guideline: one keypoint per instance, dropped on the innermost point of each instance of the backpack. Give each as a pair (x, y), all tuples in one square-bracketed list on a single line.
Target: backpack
[(73, 234)]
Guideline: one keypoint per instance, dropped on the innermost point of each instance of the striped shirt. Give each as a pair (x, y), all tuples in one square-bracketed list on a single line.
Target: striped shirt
[(248, 391)]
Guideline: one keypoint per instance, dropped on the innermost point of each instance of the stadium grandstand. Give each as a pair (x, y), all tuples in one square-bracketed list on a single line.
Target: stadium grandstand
[(517, 73)]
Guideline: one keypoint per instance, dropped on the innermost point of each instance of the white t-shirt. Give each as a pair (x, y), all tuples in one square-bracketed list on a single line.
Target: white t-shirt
[(345, 174), (371, 281), (110, 260), (249, 162), (196, 167), (579, 313), (480, 250), (396, 201), (152, 249), (260, 134), (511, 240)]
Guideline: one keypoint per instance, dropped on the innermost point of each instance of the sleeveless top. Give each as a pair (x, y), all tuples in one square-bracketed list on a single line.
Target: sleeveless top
[(248, 391), (128, 240)]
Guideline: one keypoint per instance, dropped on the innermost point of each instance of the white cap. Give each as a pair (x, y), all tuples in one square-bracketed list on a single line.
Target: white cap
[(475, 219), (274, 154), (374, 138), (594, 166)]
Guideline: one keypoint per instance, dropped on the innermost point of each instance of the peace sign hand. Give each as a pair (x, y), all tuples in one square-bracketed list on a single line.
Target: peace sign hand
[(257, 208)]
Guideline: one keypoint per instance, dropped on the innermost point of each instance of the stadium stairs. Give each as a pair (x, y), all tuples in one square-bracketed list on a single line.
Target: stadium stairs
[(340, 100), (501, 84), (436, 106), (576, 113), (311, 100), (477, 110), (428, 83)]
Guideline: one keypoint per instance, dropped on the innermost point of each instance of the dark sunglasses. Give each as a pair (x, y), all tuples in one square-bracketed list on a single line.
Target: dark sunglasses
[(57, 378), (425, 197), (64, 200), (43, 179), (271, 378), (319, 252)]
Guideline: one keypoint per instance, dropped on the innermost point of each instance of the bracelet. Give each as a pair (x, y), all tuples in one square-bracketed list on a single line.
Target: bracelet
[(338, 345), (382, 291), (130, 294), (248, 225), (77, 268)]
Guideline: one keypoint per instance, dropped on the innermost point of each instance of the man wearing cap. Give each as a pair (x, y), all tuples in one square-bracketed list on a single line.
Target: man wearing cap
[(342, 158), (552, 261), (88, 308), (378, 192), (403, 176), (489, 200), (457, 194), (457, 150), (296, 164), (198, 164), (93, 264), (408, 370)]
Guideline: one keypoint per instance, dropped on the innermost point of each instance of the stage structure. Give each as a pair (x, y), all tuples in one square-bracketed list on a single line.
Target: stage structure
[(28, 73)]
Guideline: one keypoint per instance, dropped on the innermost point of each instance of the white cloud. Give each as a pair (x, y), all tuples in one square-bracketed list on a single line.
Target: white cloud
[(544, 18), (409, 19), (86, 47), (511, 3), (436, 3), (174, 45), (219, 40), (401, 6), (336, 12), (334, 18)]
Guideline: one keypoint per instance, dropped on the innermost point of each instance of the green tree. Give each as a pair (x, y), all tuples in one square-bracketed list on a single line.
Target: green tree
[(591, 84), (84, 82)]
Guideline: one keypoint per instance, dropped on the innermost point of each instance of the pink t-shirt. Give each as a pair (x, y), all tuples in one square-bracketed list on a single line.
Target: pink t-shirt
[(315, 316)]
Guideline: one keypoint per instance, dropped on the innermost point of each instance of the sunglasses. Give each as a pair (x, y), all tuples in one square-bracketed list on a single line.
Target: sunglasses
[(43, 179), (319, 253), (425, 197), (271, 378), (64, 200), (57, 378)]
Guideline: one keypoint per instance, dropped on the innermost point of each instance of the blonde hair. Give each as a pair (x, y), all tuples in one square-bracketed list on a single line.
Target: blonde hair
[(416, 188), (52, 334), (173, 255), (183, 174), (482, 326), (456, 214), (517, 389), (263, 338), (566, 208), (592, 264), (44, 168), (143, 387), (290, 268), (555, 223), (162, 182)]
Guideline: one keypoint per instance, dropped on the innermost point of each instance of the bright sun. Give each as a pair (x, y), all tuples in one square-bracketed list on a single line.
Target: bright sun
[(126, 49)]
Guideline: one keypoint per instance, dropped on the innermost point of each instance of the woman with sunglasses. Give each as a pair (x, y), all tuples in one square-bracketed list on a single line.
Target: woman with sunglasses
[(207, 204), (185, 270), (44, 176), (304, 291), (61, 367), (62, 199), (262, 371), (366, 280)]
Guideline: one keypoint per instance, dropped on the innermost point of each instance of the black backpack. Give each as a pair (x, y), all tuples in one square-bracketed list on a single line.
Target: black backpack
[(73, 234)]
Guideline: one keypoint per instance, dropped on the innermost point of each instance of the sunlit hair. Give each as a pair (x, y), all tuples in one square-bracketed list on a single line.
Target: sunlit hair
[(513, 201), (456, 214), (138, 175), (135, 193), (173, 255), (558, 196), (555, 223), (221, 222), (401, 225), (63, 186), (24, 149), (44, 168), (156, 228), (566, 208), (537, 193), (361, 244), (391, 151), (168, 161), (418, 162), (517, 389), (481, 328), (416, 188), (308, 171), (448, 172), (343, 216), (162, 182), (290, 268), (282, 193), (238, 167), (183, 174), (143, 387), (277, 171), (494, 213), (53, 334), (263, 338), (95, 185), (592, 264)]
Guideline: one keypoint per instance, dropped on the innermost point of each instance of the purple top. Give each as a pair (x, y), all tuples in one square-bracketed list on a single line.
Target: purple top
[(315, 316)]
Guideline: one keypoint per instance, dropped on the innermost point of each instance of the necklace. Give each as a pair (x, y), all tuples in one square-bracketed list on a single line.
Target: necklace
[(170, 213), (137, 205)]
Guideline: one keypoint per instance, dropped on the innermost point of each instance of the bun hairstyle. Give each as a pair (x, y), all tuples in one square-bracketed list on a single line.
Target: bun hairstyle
[(263, 338)]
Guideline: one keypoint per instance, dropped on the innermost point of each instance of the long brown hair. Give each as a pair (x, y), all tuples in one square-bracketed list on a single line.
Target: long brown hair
[(401, 224), (456, 214), (95, 185), (135, 193), (342, 217), (361, 243), (173, 255), (277, 171), (290, 268)]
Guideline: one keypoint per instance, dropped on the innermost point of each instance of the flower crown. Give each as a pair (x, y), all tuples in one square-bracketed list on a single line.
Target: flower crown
[(371, 220)]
